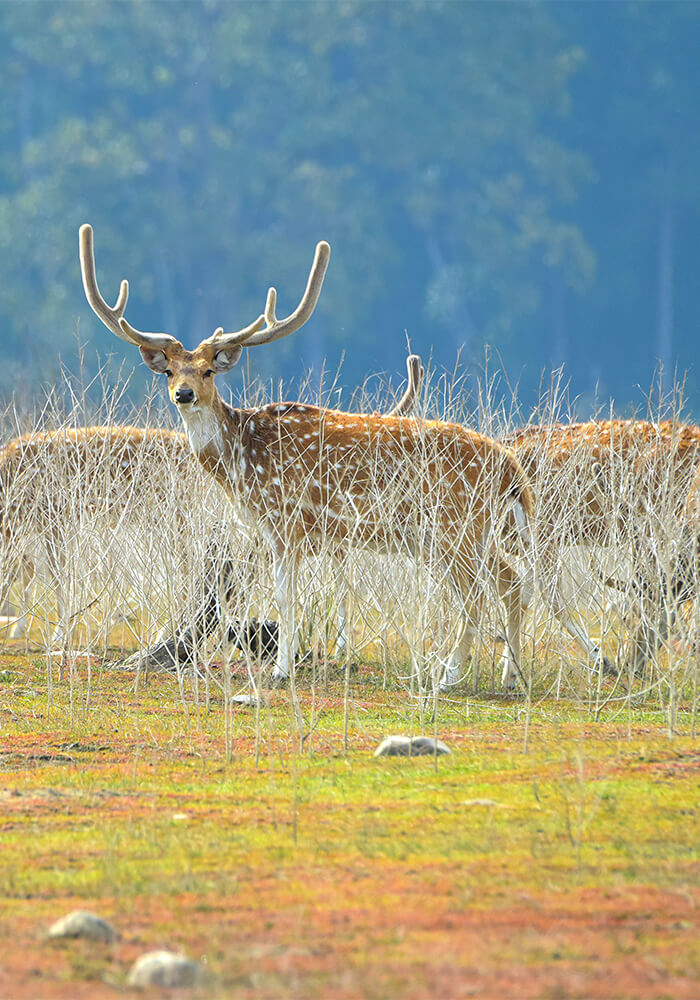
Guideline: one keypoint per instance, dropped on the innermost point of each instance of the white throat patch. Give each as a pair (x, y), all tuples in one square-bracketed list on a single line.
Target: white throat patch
[(203, 430)]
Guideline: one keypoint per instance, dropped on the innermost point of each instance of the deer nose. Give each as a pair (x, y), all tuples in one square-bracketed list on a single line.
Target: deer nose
[(184, 394)]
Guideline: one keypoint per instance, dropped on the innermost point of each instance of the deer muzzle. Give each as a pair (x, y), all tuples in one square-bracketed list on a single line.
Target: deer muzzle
[(184, 394)]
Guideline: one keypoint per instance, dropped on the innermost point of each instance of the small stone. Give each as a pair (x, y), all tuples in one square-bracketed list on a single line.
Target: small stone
[(81, 923), (165, 655), (427, 745), (166, 969), (404, 746), (244, 699), (393, 746)]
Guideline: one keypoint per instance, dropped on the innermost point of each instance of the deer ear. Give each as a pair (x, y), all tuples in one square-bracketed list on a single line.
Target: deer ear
[(225, 360), (156, 360)]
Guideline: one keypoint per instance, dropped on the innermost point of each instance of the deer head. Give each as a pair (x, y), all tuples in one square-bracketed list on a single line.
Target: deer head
[(191, 374)]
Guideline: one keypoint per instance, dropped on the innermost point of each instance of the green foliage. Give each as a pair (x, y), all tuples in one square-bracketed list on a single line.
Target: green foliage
[(486, 173), (211, 145)]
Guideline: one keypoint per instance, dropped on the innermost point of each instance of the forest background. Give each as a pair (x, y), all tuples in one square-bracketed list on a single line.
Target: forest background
[(518, 175)]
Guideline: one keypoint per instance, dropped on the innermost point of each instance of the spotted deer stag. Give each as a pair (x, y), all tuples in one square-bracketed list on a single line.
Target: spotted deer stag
[(223, 577), (311, 476)]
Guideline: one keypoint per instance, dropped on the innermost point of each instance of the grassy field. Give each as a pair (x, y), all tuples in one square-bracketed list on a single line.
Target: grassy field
[(549, 855)]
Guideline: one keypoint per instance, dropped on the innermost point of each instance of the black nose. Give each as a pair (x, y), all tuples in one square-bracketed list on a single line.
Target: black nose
[(184, 394)]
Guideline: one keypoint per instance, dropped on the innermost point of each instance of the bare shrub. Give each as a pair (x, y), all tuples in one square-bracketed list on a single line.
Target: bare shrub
[(104, 523)]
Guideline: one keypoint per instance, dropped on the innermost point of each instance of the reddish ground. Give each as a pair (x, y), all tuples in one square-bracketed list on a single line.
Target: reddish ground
[(397, 886), (382, 937)]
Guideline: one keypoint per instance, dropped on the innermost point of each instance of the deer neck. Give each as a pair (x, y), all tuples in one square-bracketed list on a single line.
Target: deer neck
[(209, 428), (214, 433)]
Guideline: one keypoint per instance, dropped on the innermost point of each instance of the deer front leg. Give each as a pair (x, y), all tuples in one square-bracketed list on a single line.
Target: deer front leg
[(549, 572), (342, 578), (563, 615), (285, 566)]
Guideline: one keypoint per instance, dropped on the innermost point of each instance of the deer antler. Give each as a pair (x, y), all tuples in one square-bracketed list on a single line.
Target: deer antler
[(253, 335), (112, 316), (415, 370)]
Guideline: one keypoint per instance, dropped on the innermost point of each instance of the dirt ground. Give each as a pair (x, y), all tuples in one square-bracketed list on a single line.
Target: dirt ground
[(569, 871)]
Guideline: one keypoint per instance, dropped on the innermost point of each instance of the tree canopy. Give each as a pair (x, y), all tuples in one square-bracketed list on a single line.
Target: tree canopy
[(520, 175)]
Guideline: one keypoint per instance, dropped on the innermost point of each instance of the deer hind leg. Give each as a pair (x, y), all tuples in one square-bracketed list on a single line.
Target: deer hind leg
[(470, 593), (645, 644), (657, 612), (660, 602), (509, 588), (285, 570), (456, 666)]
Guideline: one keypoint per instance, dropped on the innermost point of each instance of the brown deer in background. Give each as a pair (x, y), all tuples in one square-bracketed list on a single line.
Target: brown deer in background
[(52, 481), (616, 482), (309, 476)]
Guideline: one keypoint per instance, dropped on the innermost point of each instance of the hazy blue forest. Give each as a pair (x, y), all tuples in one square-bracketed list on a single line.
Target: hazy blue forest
[(523, 175)]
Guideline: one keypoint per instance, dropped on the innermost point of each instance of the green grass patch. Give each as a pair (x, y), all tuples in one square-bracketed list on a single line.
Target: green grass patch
[(297, 865)]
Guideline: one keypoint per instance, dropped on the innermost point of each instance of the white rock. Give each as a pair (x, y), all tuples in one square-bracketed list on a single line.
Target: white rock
[(404, 746), (244, 699), (393, 746), (81, 923), (167, 969)]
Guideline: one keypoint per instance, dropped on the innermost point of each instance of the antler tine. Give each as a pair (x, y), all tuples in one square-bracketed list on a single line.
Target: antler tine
[(275, 328), (221, 339), (270, 306), (155, 341), (414, 367), (112, 316)]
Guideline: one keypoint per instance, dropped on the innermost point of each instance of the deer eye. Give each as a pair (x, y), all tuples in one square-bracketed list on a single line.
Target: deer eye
[(168, 373), (208, 373)]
